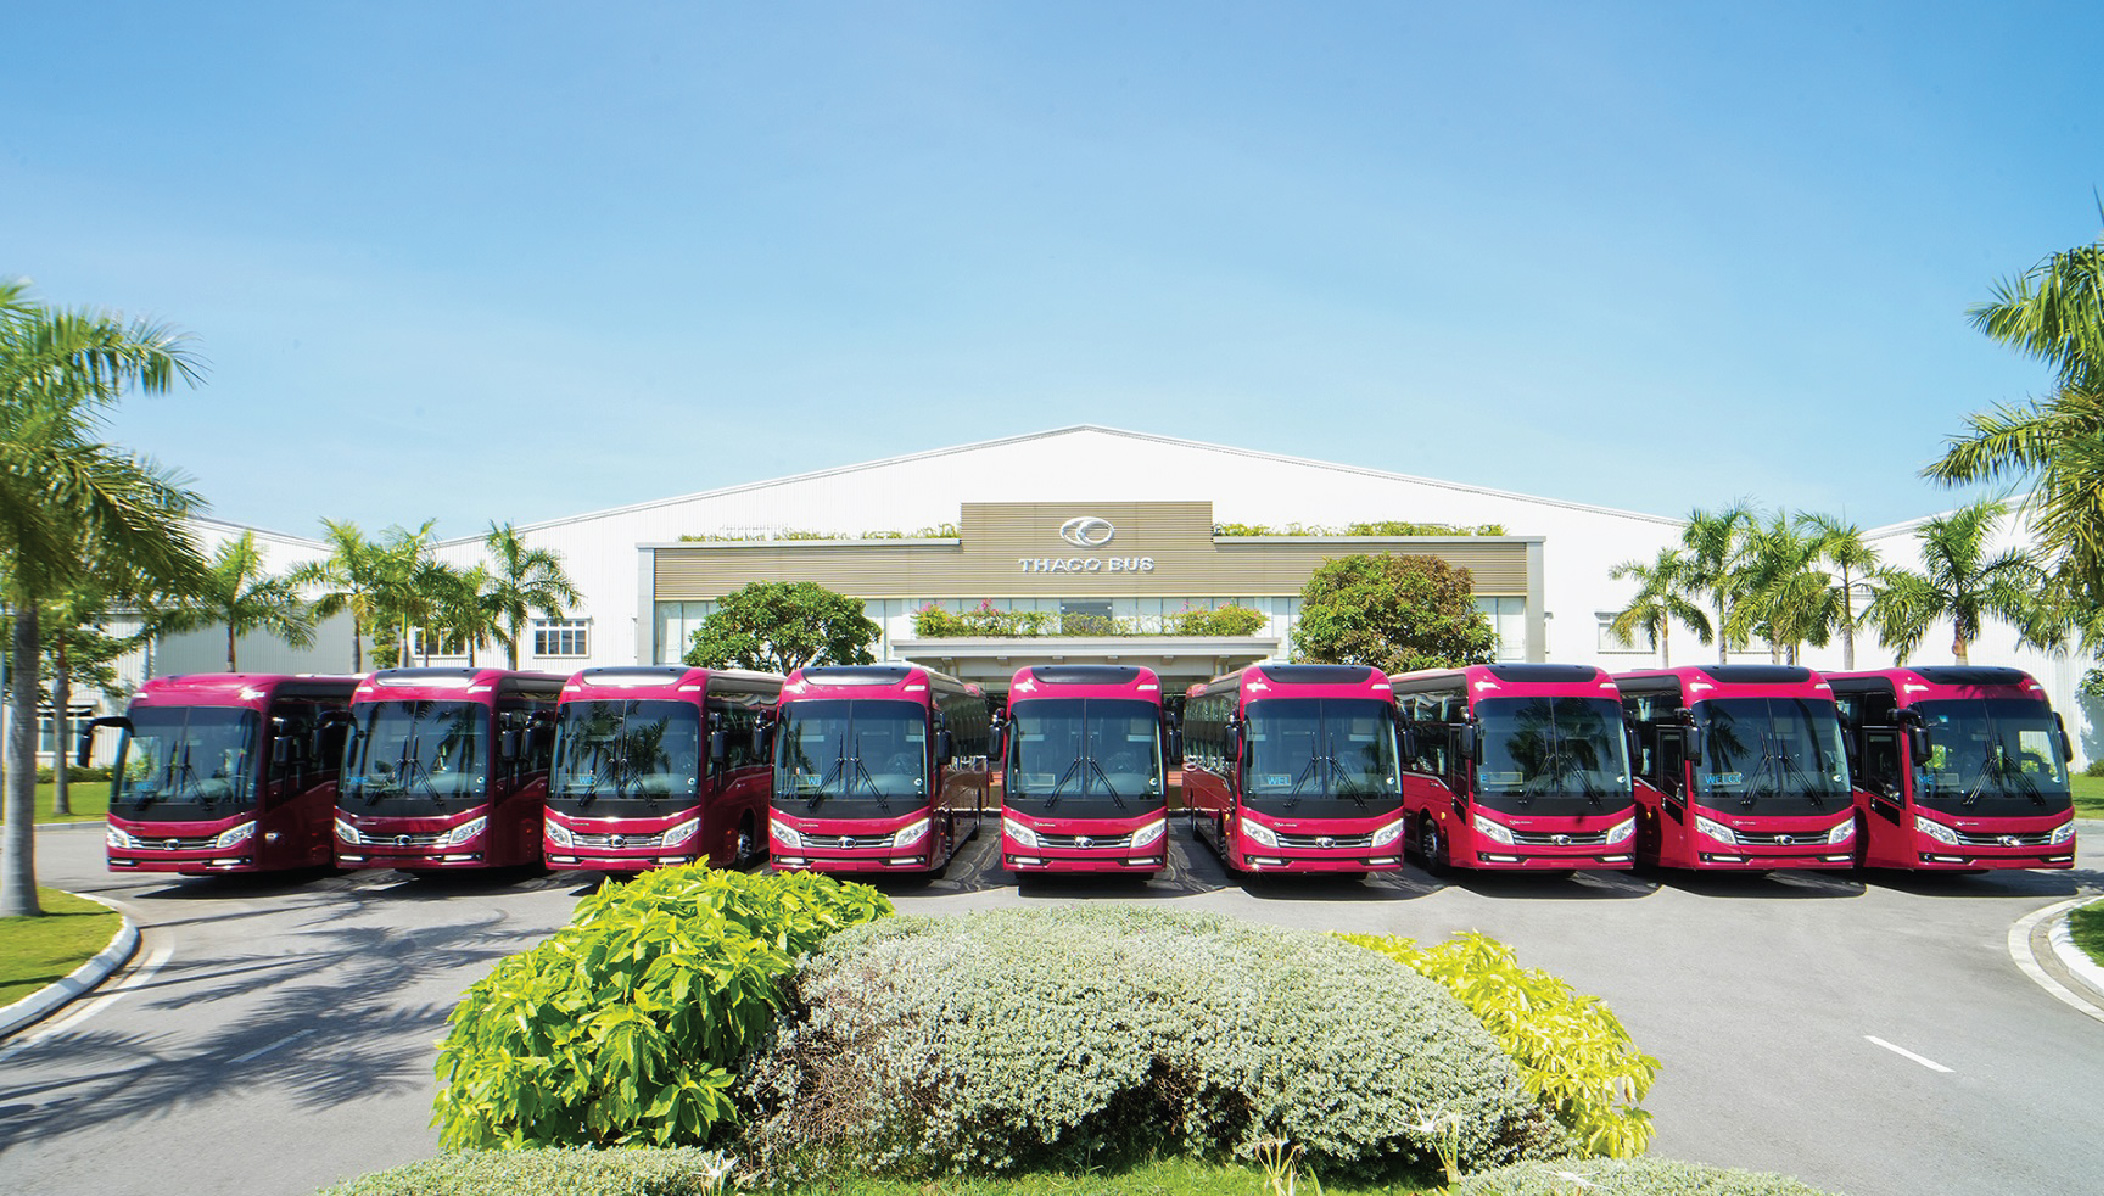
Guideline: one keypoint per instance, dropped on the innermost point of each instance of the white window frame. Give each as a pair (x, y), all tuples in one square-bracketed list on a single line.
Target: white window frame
[(559, 630)]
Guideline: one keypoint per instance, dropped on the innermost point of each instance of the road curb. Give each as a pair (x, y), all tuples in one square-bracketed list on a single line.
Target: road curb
[(2031, 947), (52, 997), (2074, 960)]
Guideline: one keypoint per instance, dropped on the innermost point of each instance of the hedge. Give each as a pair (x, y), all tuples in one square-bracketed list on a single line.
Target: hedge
[(1082, 1037)]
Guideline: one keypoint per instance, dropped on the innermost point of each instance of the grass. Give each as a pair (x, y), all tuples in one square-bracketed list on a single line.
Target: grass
[(2086, 927), (90, 801), (36, 951), (2089, 797)]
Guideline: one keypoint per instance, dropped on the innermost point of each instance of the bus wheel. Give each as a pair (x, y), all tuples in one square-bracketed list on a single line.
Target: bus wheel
[(1431, 846)]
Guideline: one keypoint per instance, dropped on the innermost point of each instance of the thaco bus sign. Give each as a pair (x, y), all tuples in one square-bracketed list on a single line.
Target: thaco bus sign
[(1087, 531)]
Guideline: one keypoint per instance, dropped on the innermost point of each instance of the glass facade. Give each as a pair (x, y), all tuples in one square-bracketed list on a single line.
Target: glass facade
[(678, 621)]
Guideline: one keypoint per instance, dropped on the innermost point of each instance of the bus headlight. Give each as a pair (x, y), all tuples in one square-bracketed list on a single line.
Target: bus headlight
[(1842, 832), (1936, 830), (346, 833), (558, 834), (121, 840), (681, 833), (784, 834), (1258, 833), (911, 833), (1620, 831), (1388, 834), (1716, 830), (462, 833), (234, 835), (1496, 832), (2064, 833), (1150, 834), (1022, 835)]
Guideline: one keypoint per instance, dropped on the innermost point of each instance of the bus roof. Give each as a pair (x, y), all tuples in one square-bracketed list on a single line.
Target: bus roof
[(1696, 682), (1929, 682), (906, 681), (1300, 680), (1085, 681), (676, 682), (478, 684), (240, 689), (1510, 680)]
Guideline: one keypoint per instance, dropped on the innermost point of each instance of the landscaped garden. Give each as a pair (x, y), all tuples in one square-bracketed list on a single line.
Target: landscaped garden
[(35, 952), (698, 1031)]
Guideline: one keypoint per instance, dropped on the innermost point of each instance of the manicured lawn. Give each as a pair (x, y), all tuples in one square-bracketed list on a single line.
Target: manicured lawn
[(2089, 797), (2086, 927), (36, 951), (90, 801)]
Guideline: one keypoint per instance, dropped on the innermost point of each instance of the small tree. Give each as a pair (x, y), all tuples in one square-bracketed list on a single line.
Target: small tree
[(781, 626), (1663, 598), (1396, 613), (237, 594)]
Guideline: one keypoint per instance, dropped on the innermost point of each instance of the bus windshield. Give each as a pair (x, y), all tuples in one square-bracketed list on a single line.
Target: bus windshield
[(1991, 757), (852, 757), (185, 763), (1552, 755), (411, 757), (1321, 757), (1084, 757), (1771, 755), (626, 758)]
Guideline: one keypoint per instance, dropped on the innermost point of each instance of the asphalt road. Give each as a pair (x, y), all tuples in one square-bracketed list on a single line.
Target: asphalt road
[(276, 1035)]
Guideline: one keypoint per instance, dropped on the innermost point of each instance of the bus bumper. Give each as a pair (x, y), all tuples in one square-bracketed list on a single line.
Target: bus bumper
[(1509, 861), (189, 863)]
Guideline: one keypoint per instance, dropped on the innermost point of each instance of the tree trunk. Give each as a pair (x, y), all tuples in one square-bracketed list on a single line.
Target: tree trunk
[(232, 666), (1959, 644), (1665, 658), (357, 646), (61, 698), (1723, 640), (1848, 621), (511, 647), (18, 864)]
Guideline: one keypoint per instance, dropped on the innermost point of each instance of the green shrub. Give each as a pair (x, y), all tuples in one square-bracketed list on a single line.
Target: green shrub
[(1571, 1048), (2095, 768), (1080, 1037), (1228, 620), (1627, 1177), (623, 1026), (47, 774), (571, 1171)]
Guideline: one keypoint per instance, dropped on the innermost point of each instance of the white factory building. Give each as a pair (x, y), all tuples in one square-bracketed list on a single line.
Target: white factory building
[(1061, 522)]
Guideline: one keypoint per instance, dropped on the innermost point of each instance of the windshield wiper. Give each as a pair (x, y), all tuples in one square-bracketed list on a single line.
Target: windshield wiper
[(1052, 798), (1105, 778), (883, 799)]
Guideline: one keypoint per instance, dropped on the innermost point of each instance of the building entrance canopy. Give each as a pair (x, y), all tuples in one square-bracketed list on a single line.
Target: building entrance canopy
[(1180, 661)]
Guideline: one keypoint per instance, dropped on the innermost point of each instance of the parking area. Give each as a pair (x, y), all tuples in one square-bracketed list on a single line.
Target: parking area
[(276, 1034)]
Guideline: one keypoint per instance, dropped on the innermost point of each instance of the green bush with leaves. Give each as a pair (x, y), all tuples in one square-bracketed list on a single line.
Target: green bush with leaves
[(1570, 1047), (1227, 620), (1086, 1037), (1627, 1177), (625, 1026), (571, 1171)]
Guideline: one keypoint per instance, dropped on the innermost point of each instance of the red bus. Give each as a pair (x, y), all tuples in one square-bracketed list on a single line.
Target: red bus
[(1739, 767), (1082, 783), (1957, 769), (878, 768), (1516, 766), (659, 765), (445, 769), (1293, 768), (225, 772)]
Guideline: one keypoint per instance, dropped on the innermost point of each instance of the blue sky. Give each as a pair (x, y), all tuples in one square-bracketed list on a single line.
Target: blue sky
[(517, 261)]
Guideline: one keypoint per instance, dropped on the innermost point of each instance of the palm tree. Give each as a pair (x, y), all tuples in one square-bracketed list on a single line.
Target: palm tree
[(2053, 311), (1842, 546), (238, 595), (351, 580), (1662, 599), (1785, 597), (1715, 559), (1959, 581), (67, 499), (522, 581)]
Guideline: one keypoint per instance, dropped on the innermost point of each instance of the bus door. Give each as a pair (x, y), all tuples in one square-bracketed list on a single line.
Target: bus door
[(1882, 776), (293, 832)]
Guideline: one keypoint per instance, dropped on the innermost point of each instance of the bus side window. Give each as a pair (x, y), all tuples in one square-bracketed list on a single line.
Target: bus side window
[(1881, 762), (1671, 756)]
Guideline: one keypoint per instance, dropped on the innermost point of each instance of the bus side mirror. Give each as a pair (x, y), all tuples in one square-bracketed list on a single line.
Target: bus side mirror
[(945, 747), (2067, 749), (759, 741), (1467, 742), (1234, 740), (1409, 744), (1918, 744), (508, 745), (85, 744), (719, 748), (280, 751), (1694, 743)]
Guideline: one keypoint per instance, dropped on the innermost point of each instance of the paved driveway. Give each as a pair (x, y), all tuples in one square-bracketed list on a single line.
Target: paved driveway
[(276, 1035)]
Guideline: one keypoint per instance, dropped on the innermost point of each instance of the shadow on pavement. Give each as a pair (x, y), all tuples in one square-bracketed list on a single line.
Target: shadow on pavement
[(2001, 883), (1587, 885), (1765, 886)]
